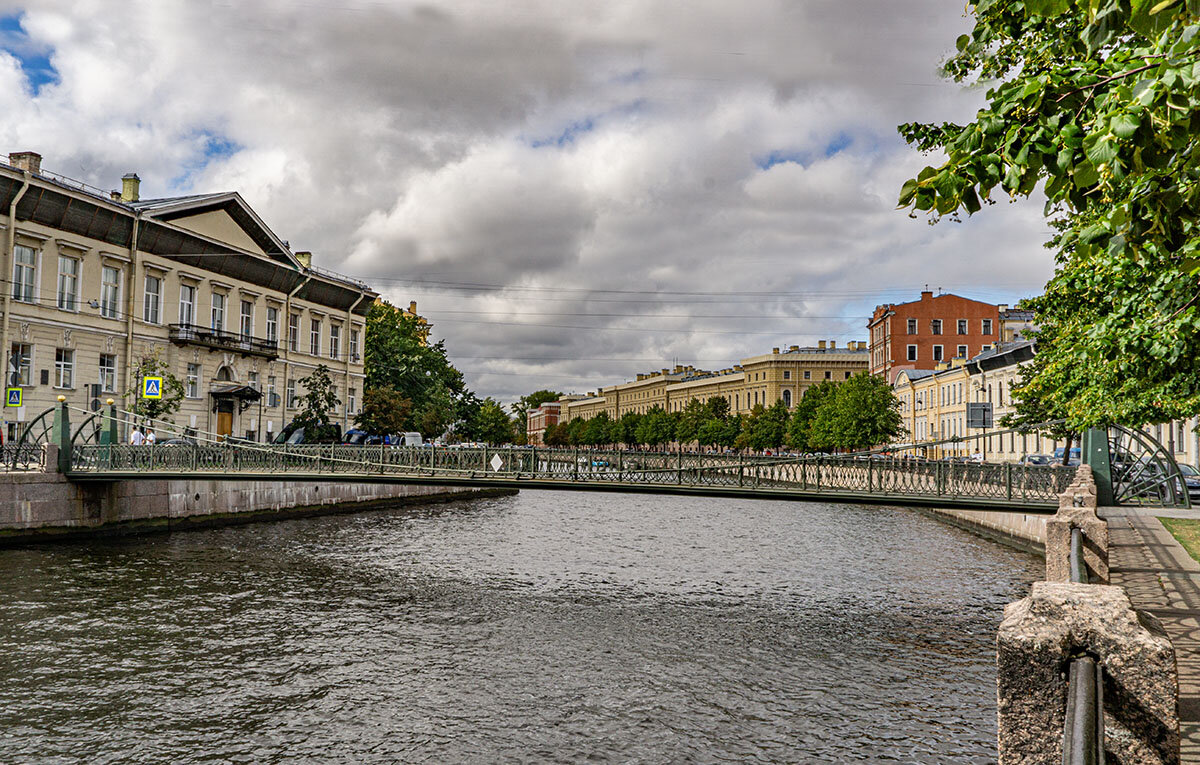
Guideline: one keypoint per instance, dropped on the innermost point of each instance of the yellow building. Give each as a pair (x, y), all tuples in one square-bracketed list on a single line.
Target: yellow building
[(758, 380), (98, 279)]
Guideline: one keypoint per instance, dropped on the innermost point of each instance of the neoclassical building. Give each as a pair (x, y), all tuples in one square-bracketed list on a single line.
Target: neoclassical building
[(96, 280)]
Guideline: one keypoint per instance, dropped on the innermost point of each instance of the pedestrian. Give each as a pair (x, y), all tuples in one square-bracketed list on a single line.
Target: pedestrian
[(136, 438), (150, 438)]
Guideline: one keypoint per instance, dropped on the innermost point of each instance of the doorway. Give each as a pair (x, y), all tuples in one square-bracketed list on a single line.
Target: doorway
[(224, 419)]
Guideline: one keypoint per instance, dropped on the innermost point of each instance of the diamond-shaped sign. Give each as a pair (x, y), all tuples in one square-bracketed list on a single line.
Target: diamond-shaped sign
[(496, 463)]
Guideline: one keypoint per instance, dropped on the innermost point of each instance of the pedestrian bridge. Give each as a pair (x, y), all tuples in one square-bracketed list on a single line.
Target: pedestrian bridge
[(92, 452)]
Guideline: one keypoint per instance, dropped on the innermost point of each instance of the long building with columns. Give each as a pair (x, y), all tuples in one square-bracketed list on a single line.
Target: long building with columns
[(97, 280), (781, 375)]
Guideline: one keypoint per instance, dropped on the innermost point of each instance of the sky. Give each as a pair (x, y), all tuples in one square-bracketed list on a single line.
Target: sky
[(573, 192)]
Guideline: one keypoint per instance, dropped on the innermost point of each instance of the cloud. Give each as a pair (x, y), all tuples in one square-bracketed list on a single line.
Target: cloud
[(572, 192)]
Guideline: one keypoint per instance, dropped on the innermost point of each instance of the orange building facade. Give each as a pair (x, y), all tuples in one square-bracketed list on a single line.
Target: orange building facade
[(923, 333)]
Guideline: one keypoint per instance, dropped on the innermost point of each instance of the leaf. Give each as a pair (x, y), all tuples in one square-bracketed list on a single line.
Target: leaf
[(1165, 4), (962, 42), (1046, 7), (1125, 125), (907, 192), (1100, 148)]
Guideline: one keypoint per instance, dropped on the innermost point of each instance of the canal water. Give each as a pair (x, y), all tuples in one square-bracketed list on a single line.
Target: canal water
[(545, 627)]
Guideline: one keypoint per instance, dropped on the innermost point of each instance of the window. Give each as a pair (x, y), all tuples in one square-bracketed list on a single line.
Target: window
[(807, 375), (962, 351), (848, 375), (187, 304), (350, 401), (64, 368), (912, 326), (271, 391), (314, 337), (291, 393), (294, 332), (787, 398), (247, 325), (153, 294), (110, 292), (987, 326), (937, 353), (962, 326), (68, 284), (193, 381), (218, 310), (252, 380), (354, 345), (828, 375), (24, 273), (935, 326), (20, 362), (272, 325), (108, 372), (912, 353), (787, 374), (335, 340)]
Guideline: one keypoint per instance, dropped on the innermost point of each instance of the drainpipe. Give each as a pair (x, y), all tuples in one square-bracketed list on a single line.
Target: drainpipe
[(6, 293), (130, 296), (349, 329), (287, 345)]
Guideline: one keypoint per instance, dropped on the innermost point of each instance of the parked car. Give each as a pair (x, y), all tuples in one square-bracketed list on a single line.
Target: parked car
[(179, 441), (293, 434), (1073, 460), (1036, 459)]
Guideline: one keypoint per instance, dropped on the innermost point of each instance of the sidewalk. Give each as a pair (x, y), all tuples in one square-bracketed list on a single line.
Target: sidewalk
[(1163, 579)]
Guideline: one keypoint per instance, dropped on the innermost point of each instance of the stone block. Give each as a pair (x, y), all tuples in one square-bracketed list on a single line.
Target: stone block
[(1036, 640)]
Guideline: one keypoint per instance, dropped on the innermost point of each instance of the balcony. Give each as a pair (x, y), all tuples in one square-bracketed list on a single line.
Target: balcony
[(220, 340)]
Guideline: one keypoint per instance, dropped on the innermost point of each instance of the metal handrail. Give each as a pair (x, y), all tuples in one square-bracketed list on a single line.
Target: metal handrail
[(235, 341), (1083, 728)]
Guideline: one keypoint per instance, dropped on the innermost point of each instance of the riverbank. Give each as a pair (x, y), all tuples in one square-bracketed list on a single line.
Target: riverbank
[(1023, 531), (45, 506)]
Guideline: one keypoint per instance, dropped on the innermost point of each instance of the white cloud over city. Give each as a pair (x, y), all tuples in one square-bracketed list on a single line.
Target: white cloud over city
[(572, 191)]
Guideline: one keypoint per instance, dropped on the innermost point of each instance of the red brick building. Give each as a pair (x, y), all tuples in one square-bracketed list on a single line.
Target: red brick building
[(536, 421), (922, 333)]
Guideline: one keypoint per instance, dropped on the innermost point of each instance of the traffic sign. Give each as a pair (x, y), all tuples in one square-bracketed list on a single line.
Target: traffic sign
[(151, 387), (979, 414), (12, 396)]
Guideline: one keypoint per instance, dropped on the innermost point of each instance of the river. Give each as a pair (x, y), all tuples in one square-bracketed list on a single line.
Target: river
[(544, 627)]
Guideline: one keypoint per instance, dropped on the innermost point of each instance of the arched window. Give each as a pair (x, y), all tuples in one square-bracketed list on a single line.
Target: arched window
[(225, 374), (787, 399)]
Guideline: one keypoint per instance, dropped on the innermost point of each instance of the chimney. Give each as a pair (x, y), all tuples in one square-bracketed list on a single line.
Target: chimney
[(793, 349), (305, 258), (774, 351), (820, 345), (412, 307), (26, 160), (926, 294), (832, 344), (129, 187), (641, 377), (1002, 307)]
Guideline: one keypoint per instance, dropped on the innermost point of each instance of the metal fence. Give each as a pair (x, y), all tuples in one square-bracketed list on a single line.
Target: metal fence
[(21, 456), (897, 477)]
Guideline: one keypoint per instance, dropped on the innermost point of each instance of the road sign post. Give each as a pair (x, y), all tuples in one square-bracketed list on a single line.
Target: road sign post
[(152, 387), (13, 397)]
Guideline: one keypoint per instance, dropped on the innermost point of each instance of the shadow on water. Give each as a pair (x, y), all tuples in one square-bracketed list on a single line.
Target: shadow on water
[(542, 627)]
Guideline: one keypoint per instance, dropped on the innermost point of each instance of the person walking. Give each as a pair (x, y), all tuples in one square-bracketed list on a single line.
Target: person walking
[(136, 438), (150, 438)]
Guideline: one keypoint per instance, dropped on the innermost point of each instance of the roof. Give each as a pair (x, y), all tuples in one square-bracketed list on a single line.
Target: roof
[(1015, 314)]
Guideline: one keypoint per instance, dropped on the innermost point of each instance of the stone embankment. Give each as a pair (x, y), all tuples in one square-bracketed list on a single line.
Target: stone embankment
[(45, 505)]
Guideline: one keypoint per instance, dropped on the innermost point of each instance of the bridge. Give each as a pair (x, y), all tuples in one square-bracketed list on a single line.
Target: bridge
[(92, 452)]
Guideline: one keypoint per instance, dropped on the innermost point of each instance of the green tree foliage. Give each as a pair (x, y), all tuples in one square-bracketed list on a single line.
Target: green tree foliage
[(1096, 100), (598, 430), (525, 404), (384, 411), (690, 419), (770, 427), (396, 357), (716, 408), (862, 412), (629, 424), (556, 435), (800, 425), (172, 389), (317, 406), (490, 423), (717, 432), (656, 428)]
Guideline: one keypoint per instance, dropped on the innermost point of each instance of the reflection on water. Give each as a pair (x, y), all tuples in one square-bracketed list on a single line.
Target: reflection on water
[(546, 627)]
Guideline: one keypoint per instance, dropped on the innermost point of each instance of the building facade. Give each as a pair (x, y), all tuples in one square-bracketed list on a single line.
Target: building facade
[(99, 281), (758, 381), (537, 420), (934, 329)]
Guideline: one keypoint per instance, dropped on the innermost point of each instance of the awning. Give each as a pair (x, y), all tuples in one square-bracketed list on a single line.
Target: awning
[(235, 390)]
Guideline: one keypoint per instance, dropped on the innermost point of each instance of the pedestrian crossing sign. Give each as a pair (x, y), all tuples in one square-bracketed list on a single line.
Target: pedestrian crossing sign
[(12, 396), (151, 387)]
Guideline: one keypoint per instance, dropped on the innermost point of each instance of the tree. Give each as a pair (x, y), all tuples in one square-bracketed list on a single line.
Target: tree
[(863, 412), (691, 418), (716, 408), (770, 427), (800, 425), (656, 427), (384, 411), (524, 404), (596, 432), (316, 407), (716, 432), (1096, 102), (556, 435), (629, 424), (172, 389), (491, 423)]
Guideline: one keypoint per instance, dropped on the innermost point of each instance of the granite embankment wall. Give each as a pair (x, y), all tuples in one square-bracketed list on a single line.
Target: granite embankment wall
[(39, 505), (1024, 531)]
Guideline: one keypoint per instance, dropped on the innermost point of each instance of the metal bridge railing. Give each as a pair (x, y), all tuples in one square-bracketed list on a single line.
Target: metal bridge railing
[(1083, 730)]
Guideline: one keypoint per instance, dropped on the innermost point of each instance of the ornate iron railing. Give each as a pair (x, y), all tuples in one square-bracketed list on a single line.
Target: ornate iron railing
[(880, 477), (22, 456)]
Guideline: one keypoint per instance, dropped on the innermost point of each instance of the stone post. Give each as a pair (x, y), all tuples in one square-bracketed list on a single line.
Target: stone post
[(1036, 641), (1077, 508)]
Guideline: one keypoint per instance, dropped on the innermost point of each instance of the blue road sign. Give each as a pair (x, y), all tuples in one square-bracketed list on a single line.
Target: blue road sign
[(13, 397), (151, 387)]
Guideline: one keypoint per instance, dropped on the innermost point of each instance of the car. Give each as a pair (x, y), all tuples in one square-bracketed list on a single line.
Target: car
[(180, 441), (1036, 459), (1076, 455), (1191, 477)]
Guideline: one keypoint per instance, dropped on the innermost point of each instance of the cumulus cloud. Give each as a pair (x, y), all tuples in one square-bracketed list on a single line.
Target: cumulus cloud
[(573, 192)]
